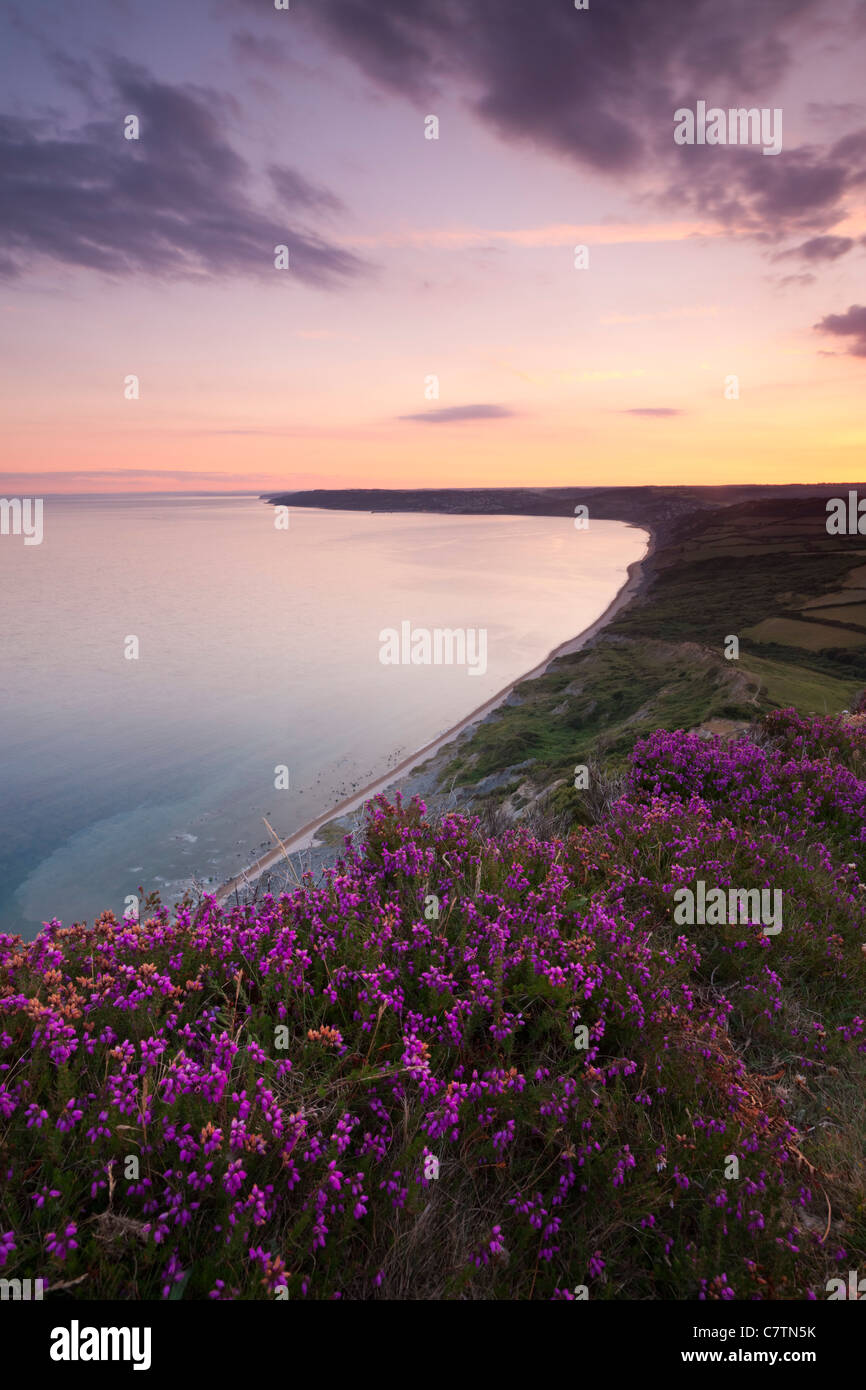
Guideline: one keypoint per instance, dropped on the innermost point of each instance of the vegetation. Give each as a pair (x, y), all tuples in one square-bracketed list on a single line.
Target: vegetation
[(661, 663), (376, 1086)]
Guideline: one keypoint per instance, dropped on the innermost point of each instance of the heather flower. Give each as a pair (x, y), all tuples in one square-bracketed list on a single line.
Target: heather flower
[(410, 1039), (60, 1246)]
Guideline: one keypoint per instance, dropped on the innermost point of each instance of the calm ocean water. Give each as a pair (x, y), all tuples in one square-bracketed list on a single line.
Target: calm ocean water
[(258, 648)]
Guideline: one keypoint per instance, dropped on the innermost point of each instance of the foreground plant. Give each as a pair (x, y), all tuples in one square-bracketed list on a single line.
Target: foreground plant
[(371, 1087)]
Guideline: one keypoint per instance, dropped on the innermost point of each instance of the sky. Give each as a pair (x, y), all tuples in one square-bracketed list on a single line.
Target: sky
[(434, 326)]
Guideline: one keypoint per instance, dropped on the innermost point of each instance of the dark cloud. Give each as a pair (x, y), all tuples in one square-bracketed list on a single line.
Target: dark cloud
[(773, 198), (297, 192), (78, 73), (270, 52), (581, 83), (452, 413), (851, 324), (174, 202), (400, 47), (820, 248), (600, 87), (653, 411)]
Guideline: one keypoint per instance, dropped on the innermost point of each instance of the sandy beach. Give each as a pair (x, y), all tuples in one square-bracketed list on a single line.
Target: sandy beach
[(305, 837)]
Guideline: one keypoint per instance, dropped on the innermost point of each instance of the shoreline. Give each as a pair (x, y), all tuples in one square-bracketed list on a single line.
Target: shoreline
[(305, 836)]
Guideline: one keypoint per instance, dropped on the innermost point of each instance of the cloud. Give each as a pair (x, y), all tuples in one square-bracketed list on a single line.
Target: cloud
[(396, 49), (452, 413), (456, 238), (296, 191), (144, 480), (771, 199), (86, 475), (782, 282), (580, 84), (820, 248), (656, 412), (600, 88), (172, 203), (851, 324), (270, 52)]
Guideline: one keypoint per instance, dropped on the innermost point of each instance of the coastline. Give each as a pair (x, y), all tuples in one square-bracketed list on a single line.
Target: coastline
[(306, 835)]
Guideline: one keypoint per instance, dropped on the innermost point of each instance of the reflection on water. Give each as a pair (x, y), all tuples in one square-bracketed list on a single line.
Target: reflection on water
[(258, 648)]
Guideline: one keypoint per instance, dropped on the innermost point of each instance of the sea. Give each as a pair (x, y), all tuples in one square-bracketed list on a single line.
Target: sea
[(174, 669)]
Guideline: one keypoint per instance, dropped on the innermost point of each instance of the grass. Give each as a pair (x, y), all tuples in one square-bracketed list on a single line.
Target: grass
[(598, 702), (813, 637), (849, 613), (843, 596), (785, 685)]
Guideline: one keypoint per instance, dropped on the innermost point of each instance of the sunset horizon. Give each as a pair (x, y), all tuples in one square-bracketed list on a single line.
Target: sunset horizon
[(477, 288)]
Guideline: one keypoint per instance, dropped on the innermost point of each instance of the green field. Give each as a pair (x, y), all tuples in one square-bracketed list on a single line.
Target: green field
[(849, 613), (785, 685), (789, 632), (838, 596)]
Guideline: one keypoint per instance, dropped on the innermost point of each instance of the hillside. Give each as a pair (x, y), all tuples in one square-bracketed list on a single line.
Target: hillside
[(377, 1086), (658, 509), (764, 571)]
